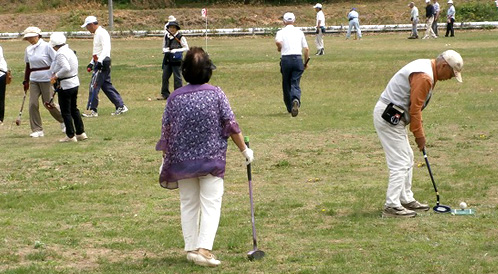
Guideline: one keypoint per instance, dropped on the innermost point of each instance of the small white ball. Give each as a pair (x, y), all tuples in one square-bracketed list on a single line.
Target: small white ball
[(463, 205)]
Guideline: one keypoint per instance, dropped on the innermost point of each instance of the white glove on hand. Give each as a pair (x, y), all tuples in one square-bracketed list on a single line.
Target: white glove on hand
[(249, 154), (165, 50)]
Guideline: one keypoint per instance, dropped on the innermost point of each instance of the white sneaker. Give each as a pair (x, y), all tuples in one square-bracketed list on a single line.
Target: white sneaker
[(37, 134), (63, 128), (81, 136), (120, 110), (203, 260), (67, 140), (91, 114), (192, 255)]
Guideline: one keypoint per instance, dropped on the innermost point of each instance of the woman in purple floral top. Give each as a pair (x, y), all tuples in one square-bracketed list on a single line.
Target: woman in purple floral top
[(197, 122)]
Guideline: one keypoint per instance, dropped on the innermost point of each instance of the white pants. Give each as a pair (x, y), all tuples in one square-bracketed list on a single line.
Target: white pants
[(399, 157), (200, 206), (428, 28), (319, 39)]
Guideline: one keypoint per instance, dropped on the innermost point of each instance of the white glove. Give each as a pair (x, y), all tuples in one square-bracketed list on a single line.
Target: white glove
[(249, 154), (165, 50)]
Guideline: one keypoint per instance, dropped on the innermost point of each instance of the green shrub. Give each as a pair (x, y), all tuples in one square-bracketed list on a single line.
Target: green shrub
[(475, 11)]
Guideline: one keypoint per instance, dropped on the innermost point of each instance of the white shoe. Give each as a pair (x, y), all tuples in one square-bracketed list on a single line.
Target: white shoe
[(192, 255), (67, 140), (91, 114), (120, 110), (202, 260), (63, 128), (81, 136), (37, 134)]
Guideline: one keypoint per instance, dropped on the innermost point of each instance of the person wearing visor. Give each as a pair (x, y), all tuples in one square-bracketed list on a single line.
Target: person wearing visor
[(38, 57), (405, 96)]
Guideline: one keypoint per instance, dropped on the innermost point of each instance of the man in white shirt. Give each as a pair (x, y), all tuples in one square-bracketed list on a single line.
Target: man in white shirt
[(320, 29), (414, 20), (101, 64), (291, 43), (353, 23)]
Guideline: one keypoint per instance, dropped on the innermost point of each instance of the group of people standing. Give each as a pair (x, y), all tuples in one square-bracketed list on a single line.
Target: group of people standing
[(432, 13), (52, 68)]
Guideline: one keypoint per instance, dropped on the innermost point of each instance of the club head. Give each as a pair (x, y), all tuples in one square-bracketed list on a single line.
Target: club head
[(18, 122), (255, 254), (441, 209)]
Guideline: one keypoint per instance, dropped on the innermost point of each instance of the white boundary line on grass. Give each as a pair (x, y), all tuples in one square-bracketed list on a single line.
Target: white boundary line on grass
[(261, 31)]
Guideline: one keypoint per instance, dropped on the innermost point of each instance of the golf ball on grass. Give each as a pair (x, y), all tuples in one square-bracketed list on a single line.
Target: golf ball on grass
[(463, 205)]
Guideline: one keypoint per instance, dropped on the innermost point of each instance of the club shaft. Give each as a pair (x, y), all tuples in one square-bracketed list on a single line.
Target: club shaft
[(253, 220), (430, 174)]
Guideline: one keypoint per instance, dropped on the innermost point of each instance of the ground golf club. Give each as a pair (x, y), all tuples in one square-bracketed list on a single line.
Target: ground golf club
[(18, 120), (255, 253), (438, 208)]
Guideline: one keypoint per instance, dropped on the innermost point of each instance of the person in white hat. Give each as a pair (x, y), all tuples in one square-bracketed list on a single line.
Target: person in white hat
[(353, 18), (450, 19), (414, 20), (291, 44), (101, 63), (401, 104), (66, 82), (3, 84), (174, 44), (320, 29), (429, 19), (38, 58)]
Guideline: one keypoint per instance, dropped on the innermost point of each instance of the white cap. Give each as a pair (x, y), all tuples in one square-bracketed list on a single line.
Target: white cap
[(289, 17), (317, 5), (57, 39), (171, 18), (450, 1), (89, 20), (427, 1), (31, 32), (455, 61)]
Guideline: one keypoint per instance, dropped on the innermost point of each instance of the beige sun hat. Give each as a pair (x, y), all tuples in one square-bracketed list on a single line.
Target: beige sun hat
[(454, 59), (31, 32)]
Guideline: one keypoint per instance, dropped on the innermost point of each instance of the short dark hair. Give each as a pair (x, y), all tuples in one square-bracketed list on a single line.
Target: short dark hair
[(197, 68)]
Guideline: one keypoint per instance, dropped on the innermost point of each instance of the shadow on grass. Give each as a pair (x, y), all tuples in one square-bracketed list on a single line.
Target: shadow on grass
[(167, 264)]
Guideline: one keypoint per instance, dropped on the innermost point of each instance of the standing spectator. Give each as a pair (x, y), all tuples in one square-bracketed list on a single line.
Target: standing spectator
[(174, 44), (405, 96), (429, 18), (437, 11), (38, 58), (450, 19), (291, 43), (65, 78), (320, 29), (3, 84), (414, 20), (101, 61), (353, 18), (197, 122)]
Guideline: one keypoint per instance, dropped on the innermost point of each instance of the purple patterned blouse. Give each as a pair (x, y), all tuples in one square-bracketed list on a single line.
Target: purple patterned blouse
[(197, 122)]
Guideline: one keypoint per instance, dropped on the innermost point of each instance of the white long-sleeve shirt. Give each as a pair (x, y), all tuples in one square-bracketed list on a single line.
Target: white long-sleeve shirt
[(3, 63), (451, 12), (39, 55), (66, 66), (101, 44), (414, 13)]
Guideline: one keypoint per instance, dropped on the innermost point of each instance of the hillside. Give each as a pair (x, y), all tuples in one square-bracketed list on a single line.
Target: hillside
[(70, 18)]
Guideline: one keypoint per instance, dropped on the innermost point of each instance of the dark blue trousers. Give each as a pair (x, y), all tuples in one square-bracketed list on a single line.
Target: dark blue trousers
[(291, 67), (104, 83)]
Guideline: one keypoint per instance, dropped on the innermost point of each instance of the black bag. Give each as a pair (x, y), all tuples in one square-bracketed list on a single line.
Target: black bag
[(393, 114)]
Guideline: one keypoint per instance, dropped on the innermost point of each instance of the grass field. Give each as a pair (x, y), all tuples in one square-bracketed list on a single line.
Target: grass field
[(320, 178)]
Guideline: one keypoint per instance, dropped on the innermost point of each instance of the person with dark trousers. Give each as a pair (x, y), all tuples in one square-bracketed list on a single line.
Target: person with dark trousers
[(174, 44), (3, 84), (291, 44), (437, 11), (450, 19), (66, 82), (101, 63)]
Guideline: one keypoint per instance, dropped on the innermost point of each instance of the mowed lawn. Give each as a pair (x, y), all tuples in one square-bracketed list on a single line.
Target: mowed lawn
[(319, 179)]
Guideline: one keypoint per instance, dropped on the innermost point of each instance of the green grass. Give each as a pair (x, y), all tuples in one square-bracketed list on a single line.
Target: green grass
[(319, 179)]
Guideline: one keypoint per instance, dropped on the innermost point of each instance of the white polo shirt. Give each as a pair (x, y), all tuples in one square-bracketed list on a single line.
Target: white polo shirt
[(39, 55), (320, 17), (101, 44), (292, 40)]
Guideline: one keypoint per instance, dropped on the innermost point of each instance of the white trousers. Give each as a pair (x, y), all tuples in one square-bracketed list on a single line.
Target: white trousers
[(319, 39), (399, 157), (428, 28), (200, 206)]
